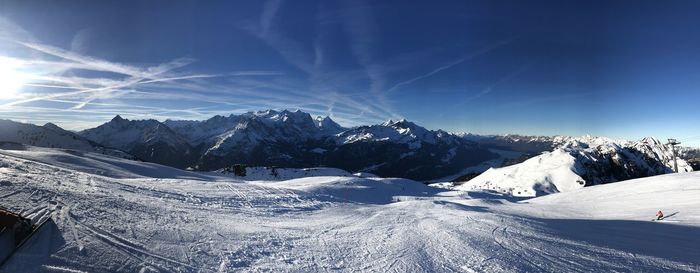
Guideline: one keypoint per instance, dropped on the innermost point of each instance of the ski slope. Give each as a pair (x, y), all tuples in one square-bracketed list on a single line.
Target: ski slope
[(109, 215), (547, 173)]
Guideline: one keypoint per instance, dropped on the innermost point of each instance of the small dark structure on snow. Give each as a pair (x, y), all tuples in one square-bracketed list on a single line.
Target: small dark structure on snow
[(14, 229)]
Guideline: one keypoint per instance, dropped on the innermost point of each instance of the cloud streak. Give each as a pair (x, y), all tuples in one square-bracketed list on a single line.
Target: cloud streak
[(166, 90), (453, 63)]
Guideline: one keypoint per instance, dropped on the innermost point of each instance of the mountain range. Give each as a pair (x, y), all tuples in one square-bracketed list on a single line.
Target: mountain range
[(294, 139)]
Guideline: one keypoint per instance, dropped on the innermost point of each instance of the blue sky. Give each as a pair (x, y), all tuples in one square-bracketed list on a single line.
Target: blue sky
[(624, 69)]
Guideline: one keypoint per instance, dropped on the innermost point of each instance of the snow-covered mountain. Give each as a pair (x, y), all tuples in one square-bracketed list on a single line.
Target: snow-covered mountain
[(401, 148), (691, 155), (51, 136), (294, 139), (402, 131), (404, 149), (579, 162), (266, 126), (327, 126), (196, 132), (219, 133), (149, 140)]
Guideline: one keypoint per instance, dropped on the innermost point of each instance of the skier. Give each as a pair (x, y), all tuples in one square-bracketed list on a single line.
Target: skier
[(659, 215)]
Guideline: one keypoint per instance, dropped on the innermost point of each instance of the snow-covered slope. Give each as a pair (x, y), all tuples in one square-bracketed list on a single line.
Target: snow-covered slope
[(637, 199), (547, 173), (99, 164), (51, 136), (579, 162), (48, 135), (110, 222), (278, 174)]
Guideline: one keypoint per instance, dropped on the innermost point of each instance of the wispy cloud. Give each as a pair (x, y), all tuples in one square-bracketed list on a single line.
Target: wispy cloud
[(67, 83), (268, 15), (486, 90), (464, 58), (321, 84), (361, 27)]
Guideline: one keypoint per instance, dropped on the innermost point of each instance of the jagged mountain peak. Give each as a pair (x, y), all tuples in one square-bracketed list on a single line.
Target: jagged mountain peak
[(123, 134), (401, 131), (326, 124), (392, 122), (52, 126), (285, 115), (118, 118)]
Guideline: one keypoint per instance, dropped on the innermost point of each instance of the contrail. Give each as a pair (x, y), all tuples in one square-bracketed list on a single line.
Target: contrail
[(453, 63)]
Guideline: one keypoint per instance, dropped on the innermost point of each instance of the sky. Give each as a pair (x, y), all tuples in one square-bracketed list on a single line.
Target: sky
[(622, 69)]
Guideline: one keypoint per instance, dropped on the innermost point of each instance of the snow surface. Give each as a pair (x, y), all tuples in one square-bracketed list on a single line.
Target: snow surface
[(48, 135), (277, 174), (113, 222), (548, 173)]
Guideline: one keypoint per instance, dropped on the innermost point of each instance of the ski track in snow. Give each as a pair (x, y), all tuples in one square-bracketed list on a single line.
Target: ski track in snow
[(127, 224)]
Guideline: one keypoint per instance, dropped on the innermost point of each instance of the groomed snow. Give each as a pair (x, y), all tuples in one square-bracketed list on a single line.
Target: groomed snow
[(111, 222), (277, 174)]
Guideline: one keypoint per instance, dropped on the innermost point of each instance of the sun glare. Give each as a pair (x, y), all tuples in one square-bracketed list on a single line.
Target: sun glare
[(11, 78)]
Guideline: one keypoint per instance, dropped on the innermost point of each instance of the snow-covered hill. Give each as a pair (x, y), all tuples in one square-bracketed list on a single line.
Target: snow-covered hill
[(48, 135), (109, 221), (579, 162), (51, 136)]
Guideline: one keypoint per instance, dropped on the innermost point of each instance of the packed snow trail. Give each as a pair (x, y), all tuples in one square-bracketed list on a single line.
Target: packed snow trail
[(113, 221)]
